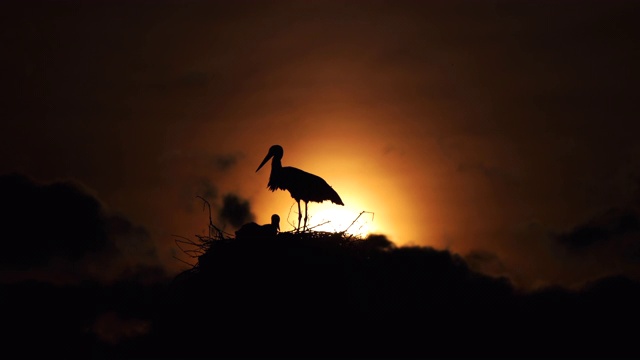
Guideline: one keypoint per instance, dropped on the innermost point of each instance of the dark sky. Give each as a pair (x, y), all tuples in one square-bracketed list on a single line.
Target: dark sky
[(505, 131)]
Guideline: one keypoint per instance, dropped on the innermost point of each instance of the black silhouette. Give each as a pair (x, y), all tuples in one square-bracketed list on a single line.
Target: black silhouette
[(289, 296), (254, 231), (333, 297), (300, 184)]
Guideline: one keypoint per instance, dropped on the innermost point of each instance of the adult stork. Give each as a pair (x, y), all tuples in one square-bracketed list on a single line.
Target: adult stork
[(300, 184)]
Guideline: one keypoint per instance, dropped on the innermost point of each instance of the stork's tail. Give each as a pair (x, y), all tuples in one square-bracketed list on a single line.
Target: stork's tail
[(335, 198)]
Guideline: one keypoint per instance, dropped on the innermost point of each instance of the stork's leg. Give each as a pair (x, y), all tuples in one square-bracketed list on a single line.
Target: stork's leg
[(299, 216), (305, 217)]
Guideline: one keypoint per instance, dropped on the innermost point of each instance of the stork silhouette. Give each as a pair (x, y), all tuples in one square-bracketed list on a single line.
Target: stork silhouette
[(253, 230), (300, 184)]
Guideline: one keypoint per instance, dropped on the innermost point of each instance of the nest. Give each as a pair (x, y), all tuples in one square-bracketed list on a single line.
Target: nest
[(202, 244)]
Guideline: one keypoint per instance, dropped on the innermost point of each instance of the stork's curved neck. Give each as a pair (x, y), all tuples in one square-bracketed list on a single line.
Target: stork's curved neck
[(276, 162)]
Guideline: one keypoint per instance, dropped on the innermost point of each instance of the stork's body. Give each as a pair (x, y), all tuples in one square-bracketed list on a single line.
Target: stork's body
[(302, 186), (254, 231)]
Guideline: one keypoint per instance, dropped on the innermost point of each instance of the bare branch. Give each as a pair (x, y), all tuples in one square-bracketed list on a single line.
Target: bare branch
[(356, 219)]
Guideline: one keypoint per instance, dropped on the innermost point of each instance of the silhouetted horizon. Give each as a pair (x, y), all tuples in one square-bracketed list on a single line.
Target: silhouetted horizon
[(320, 294)]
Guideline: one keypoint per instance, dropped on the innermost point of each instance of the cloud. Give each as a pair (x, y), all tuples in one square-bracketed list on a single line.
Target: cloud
[(39, 315), (131, 253), (208, 190), (225, 209), (60, 229), (611, 225), (225, 162), (329, 298), (366, 300), (198, 186), (606, 244), (485, 262), (235, 210), (45, 221), (112, 328)]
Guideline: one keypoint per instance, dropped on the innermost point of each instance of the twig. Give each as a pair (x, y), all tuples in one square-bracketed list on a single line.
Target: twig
[(356, 219), (289, 216), (315, 226), (219, 233), (192, 265)]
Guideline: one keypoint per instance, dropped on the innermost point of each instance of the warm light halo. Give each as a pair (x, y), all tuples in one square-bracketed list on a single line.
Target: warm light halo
[(333, 218)]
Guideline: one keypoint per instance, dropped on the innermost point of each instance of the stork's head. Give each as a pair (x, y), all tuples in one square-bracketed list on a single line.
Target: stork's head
[(275, 221), (274, 151)]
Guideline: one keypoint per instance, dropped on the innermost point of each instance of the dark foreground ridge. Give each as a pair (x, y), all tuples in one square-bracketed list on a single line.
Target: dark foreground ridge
[(322, 295)]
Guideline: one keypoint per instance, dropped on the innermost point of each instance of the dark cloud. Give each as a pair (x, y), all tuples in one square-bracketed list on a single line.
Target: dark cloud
[(91, 315), (605, 244), (328, 297), (336, 298), (42, 221), (485, 262), (202, 187), (111, 328), (235, 210), (207, 190), (135, 237), (609, 226), (225, 162), (131, 254), (61, 227)]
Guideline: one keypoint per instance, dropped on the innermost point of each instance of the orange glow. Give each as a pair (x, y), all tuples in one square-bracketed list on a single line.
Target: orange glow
[(332, 218), (394, 183), (363, 182)]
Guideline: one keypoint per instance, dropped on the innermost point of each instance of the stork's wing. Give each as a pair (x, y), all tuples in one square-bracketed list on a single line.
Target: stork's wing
[(306, 186)]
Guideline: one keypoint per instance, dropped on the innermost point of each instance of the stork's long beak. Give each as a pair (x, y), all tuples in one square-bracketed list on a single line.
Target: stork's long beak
[(266, 158)]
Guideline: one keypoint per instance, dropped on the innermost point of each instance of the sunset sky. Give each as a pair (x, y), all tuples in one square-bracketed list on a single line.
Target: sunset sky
[(504, 131)]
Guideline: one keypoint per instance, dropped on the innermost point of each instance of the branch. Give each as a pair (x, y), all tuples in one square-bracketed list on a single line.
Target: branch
[(356, 219)]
